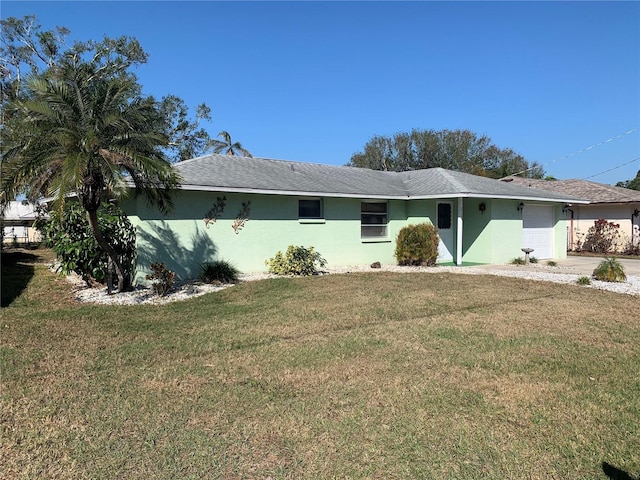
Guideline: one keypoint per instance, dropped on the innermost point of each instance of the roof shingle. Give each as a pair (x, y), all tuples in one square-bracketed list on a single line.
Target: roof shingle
[(592, 191), (243, 174)]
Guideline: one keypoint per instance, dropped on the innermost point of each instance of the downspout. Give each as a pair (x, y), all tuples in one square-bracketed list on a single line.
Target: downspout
[(459, 236)]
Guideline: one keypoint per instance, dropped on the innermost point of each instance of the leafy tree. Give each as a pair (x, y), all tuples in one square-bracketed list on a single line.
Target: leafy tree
[(459, 150), (69, 234), (27, 50), (83, 128), (187, 138), (633, 184), (228, 147)]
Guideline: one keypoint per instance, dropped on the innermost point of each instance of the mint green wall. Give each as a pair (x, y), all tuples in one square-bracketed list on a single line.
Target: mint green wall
[(560, 232), (496, 235), (183, 242), (476, 231)]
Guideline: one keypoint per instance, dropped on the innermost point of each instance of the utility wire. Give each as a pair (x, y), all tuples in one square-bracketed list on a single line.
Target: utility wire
[(612, 169), (580, 151)]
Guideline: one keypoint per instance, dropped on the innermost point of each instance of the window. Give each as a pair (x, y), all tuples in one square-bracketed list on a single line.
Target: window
[(373, 220), (444, 216), (310, 208)]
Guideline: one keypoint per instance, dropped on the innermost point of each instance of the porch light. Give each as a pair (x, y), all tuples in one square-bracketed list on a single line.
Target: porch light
[(520, 206), (565, 208), (482, 207), (636, 212)]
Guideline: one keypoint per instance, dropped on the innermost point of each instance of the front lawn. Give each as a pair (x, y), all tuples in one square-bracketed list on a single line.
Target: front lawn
[(375, 375)]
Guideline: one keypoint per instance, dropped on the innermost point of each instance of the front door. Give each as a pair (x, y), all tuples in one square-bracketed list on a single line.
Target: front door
[(445, 231)]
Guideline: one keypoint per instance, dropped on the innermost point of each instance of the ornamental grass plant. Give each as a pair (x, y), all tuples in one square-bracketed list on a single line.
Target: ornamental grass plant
[(610, 270)]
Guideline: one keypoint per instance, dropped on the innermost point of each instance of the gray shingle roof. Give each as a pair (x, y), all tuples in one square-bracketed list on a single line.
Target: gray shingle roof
[(592, 191), (259, 175)]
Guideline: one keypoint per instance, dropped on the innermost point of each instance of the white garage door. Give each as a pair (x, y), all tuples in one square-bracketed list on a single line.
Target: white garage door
[(537, 230)]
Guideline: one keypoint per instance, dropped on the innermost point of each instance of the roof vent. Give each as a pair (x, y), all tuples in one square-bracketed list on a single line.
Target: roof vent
[(293, 169)]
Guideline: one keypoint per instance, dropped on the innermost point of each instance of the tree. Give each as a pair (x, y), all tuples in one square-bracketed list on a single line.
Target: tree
[(187, 139), (229, 147), (27, 50), (84, 129), (459, 150), (633, 184)]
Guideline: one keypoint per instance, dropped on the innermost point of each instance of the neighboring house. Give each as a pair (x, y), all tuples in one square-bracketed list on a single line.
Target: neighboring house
[(244, 210), (18, 219), (615, 204)]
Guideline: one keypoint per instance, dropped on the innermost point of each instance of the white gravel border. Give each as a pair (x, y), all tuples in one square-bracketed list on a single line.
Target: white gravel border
[(144, 295)]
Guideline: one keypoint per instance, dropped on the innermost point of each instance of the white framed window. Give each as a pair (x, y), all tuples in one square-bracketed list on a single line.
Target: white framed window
[(373, 220), (310, 209)]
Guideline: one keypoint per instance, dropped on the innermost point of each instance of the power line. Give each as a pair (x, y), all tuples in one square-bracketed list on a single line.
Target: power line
[(612, 169), (583, 150)]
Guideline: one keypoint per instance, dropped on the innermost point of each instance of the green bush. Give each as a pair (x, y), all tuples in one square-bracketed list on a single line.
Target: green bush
[(533, 260), (610, 270), (417, 245), (219, 271), (296, 261), (517, 261), (583, 281), (69, 235), (552, 263), (164, 279)]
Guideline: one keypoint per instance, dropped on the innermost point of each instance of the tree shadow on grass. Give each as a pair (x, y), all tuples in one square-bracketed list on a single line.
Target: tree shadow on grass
[(17, 270), (615, 473), (157, 242)]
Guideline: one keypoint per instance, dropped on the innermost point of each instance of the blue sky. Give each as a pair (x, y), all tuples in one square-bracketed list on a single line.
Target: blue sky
[(314, 81)]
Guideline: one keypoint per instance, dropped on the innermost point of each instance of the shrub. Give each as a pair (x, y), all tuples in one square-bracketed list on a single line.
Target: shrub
[(632, 248), (583, 281), (552, 263), (610, 270), (68, 234), (517, 261), (533, 260), (219, 271), (164, 279), (296, 261), (602, 237), (417, 245)]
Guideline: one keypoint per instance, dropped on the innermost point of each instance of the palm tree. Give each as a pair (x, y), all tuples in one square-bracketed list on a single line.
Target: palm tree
[(89, 135), (227, 146)]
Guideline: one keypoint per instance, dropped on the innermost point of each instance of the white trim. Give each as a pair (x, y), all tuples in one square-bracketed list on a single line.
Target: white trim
[(206, 188), (310, 221)]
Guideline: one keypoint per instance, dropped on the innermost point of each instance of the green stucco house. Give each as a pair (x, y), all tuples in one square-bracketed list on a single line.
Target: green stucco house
[(244, 210)]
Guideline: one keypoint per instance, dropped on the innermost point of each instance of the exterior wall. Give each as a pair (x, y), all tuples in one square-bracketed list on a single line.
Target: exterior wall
[(559, 233), (495, 235), (20, 234), (584, 217), (477, 239), (183, 242), (499, 236)]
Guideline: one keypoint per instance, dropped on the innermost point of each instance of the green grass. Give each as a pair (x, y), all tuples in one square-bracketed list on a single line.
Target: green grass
[(376, 375)]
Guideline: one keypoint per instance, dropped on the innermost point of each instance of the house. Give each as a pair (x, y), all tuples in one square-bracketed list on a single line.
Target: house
[(244, 210), (618, 205), (18, 219)]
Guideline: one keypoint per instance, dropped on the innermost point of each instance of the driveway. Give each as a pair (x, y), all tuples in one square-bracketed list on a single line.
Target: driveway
[(585, 265)]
